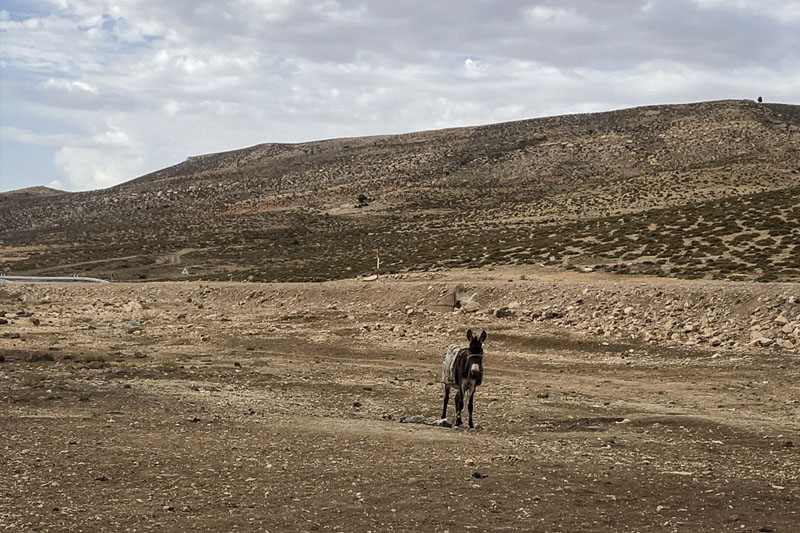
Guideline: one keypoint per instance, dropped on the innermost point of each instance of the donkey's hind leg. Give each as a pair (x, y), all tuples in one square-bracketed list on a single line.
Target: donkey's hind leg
[(446, 399)]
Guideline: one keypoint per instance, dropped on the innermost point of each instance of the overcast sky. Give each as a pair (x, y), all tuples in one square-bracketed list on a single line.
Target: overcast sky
[(97, 92)]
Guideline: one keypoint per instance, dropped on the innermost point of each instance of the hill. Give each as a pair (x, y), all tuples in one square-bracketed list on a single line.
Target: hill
[(31, 192), (697, 190)]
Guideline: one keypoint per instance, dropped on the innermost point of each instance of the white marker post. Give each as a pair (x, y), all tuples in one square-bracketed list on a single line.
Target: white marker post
[(378, 265)]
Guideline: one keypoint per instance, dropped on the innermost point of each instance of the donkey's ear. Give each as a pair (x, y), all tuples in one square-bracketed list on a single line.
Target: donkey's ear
[(469, 334), (483, 336)]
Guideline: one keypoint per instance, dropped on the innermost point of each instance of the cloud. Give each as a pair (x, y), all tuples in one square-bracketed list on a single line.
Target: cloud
[(122, 88)]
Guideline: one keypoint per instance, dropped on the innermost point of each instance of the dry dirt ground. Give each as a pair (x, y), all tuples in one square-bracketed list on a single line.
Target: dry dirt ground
[(278, 407)]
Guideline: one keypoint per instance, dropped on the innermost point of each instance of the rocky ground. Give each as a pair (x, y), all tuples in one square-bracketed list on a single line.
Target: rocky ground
[(609, 404)]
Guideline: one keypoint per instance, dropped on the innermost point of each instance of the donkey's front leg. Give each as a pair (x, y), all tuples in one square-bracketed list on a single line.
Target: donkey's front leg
[(446, 399), (471, 398), (459, 405)]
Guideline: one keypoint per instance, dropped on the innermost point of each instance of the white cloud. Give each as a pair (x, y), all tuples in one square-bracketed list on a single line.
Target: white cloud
[(61, 84)]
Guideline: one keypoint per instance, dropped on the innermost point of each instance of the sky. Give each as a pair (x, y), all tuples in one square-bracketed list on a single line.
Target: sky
[(97, 92)]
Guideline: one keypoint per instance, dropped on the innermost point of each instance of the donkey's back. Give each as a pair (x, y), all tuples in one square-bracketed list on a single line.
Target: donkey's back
[(454, 361)]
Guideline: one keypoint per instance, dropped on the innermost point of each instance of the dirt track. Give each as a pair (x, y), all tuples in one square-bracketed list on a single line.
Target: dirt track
[(272, 408)]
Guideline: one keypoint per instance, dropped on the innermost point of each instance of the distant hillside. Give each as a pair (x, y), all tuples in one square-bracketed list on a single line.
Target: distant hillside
[(698, 190), (32, 192)]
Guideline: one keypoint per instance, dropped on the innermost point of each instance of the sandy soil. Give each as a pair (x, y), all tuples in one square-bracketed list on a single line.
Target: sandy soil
[(249, 407)]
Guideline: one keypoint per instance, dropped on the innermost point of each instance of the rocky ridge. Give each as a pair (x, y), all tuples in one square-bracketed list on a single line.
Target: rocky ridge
[(716, 316)]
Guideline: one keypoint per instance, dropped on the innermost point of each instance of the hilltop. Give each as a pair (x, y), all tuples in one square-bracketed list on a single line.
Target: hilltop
[(32, 192), (696, 190)]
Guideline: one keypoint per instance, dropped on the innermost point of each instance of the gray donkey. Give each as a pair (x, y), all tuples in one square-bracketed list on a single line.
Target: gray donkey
[(463, 368)]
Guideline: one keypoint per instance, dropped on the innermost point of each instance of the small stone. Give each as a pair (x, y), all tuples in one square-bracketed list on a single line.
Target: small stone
[(356, 404), (766, 529), (101, 478), (543, 395), (502, 312), (782, 320), (3, 321), (35, 321), (478, 475), (181, 316), (470, 306), (788, 444)]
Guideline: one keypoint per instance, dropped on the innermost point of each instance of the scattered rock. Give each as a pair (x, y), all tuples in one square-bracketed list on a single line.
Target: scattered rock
[(478, 475), (503, 312), (3, 321), (35, 321), (470, 306), (543, 395)]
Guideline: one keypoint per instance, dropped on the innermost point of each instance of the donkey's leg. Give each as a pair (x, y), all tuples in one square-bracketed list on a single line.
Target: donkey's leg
[(471, 397), (459, 405), (446, 399)]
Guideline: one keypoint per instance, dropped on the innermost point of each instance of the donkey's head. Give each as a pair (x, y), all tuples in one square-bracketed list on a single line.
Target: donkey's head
[(475, 360)]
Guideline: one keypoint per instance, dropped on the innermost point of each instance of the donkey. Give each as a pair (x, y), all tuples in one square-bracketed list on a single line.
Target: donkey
[(463, 368)]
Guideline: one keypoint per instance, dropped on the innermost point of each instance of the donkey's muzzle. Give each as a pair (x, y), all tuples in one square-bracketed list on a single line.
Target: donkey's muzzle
[(474, 362)]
